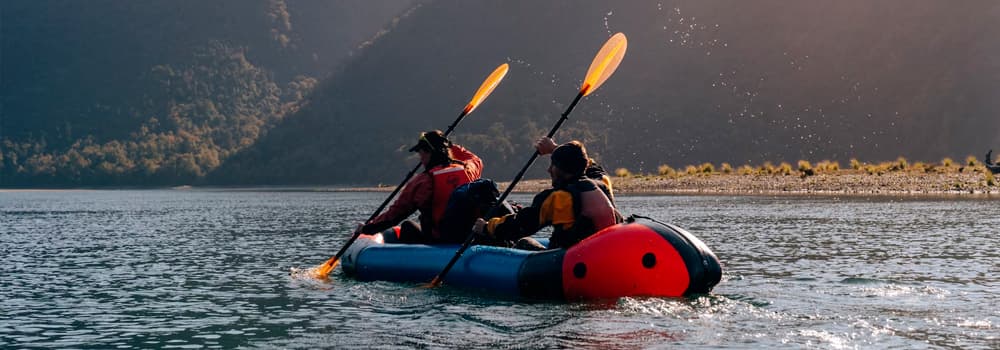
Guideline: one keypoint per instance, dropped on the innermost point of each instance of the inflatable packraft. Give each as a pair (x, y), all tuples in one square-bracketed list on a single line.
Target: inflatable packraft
[(639, 258)]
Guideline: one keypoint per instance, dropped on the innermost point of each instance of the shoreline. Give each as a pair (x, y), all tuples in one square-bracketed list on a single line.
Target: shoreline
[(826, 183), (835, 183)]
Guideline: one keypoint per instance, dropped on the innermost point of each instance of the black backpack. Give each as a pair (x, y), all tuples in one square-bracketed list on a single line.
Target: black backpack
[(467, 203)]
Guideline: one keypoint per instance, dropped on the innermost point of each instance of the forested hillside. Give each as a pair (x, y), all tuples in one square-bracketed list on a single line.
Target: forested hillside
[(316, 92), (155, 93)]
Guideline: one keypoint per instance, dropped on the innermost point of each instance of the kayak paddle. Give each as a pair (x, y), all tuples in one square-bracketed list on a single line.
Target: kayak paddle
[(601, 68), (491, 82)]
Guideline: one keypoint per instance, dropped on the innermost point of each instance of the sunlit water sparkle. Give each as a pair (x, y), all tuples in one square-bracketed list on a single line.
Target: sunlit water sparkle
[(210, 269)]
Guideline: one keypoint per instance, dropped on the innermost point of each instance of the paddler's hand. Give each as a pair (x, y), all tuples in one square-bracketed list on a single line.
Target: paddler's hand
[(360, 226), (545, 146), (479, 228)]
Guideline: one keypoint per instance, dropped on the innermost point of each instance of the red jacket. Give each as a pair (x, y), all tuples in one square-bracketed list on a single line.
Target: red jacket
[(418, 193)]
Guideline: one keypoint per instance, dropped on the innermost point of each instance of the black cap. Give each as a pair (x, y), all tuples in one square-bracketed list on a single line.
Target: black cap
[(432, 141)]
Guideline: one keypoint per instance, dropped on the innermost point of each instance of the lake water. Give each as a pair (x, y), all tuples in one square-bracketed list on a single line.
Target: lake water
[(210, 269)]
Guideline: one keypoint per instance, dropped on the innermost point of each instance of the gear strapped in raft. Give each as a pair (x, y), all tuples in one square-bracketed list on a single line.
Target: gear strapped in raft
[(639, 258)]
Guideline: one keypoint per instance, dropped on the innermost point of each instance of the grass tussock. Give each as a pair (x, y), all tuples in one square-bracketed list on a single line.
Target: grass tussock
[(766, 169), (666, 170), (856, 165), (623, 172), (706, 168), (971, 161), (784, 169), (806, 168), (725, 168), (690, 170), (921, 167), (876, 169), (901, 164), (827, 166)]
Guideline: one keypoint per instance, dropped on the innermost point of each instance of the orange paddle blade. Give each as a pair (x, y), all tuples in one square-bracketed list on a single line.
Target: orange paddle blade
[(605, 63), (322, 271), (489, 84), (433, 284)]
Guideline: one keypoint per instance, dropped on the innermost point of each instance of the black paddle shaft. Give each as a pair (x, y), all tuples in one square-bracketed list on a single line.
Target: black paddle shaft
[(472, 236), (357, 233)]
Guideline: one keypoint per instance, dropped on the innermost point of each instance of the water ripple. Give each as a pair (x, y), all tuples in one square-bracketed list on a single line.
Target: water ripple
[(209, 269)]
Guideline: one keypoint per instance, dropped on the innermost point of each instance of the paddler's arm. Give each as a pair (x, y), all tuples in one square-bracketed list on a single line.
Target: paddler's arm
[(417, 191), (551, 207), (473, 164), (511, 226)]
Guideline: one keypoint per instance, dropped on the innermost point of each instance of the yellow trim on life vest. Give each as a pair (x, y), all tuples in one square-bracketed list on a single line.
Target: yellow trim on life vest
[(557, 209)]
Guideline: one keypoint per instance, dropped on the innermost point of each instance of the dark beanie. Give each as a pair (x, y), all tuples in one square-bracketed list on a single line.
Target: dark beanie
[(571, 157)]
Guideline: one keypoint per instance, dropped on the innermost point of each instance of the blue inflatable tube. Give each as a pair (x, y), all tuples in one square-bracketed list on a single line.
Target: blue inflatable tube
[(642, 257), (480, 267)]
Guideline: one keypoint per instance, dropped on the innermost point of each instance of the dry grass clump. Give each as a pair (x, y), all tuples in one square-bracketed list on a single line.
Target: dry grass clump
[(947, 162), (666, 170), (784, 169), (766, 169), (706, 168), (921, 167), (971, 161), (745, 170), (856, 165), (901, 164), (877, 169), (806, 169), (622, 172), (690, 170), (827, 166), (726, 168)]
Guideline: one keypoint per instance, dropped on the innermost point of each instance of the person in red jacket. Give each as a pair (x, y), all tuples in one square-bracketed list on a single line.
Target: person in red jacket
[(446, 166)]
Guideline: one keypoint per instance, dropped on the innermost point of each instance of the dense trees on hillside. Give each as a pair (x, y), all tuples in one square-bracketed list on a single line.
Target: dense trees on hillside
[(110, 92), (196, 115)]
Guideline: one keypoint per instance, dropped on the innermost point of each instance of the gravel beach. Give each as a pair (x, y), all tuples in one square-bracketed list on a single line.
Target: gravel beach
[(881, 179), (839, 182)]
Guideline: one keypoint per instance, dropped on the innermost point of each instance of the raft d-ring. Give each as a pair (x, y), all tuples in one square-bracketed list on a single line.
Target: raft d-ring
[(580, 270), (649, 260)]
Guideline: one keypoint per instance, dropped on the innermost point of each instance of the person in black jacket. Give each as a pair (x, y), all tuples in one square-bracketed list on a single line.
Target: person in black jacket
[(576, 206)]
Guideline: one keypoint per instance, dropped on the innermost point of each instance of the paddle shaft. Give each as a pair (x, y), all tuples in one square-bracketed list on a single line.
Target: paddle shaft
[(357, 233), (472, 236)]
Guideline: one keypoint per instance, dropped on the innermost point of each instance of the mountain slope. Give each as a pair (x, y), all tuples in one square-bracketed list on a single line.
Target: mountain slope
[(702, 81)]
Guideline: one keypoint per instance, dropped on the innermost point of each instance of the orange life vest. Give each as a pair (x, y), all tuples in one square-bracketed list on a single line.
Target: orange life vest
[(592, 211)]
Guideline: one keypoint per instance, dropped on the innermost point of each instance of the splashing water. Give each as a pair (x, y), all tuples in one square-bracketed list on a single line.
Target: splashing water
[(319, 272), (606, 26)]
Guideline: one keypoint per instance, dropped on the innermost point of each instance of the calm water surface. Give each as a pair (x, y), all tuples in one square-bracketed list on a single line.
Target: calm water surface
[(210, 269)]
